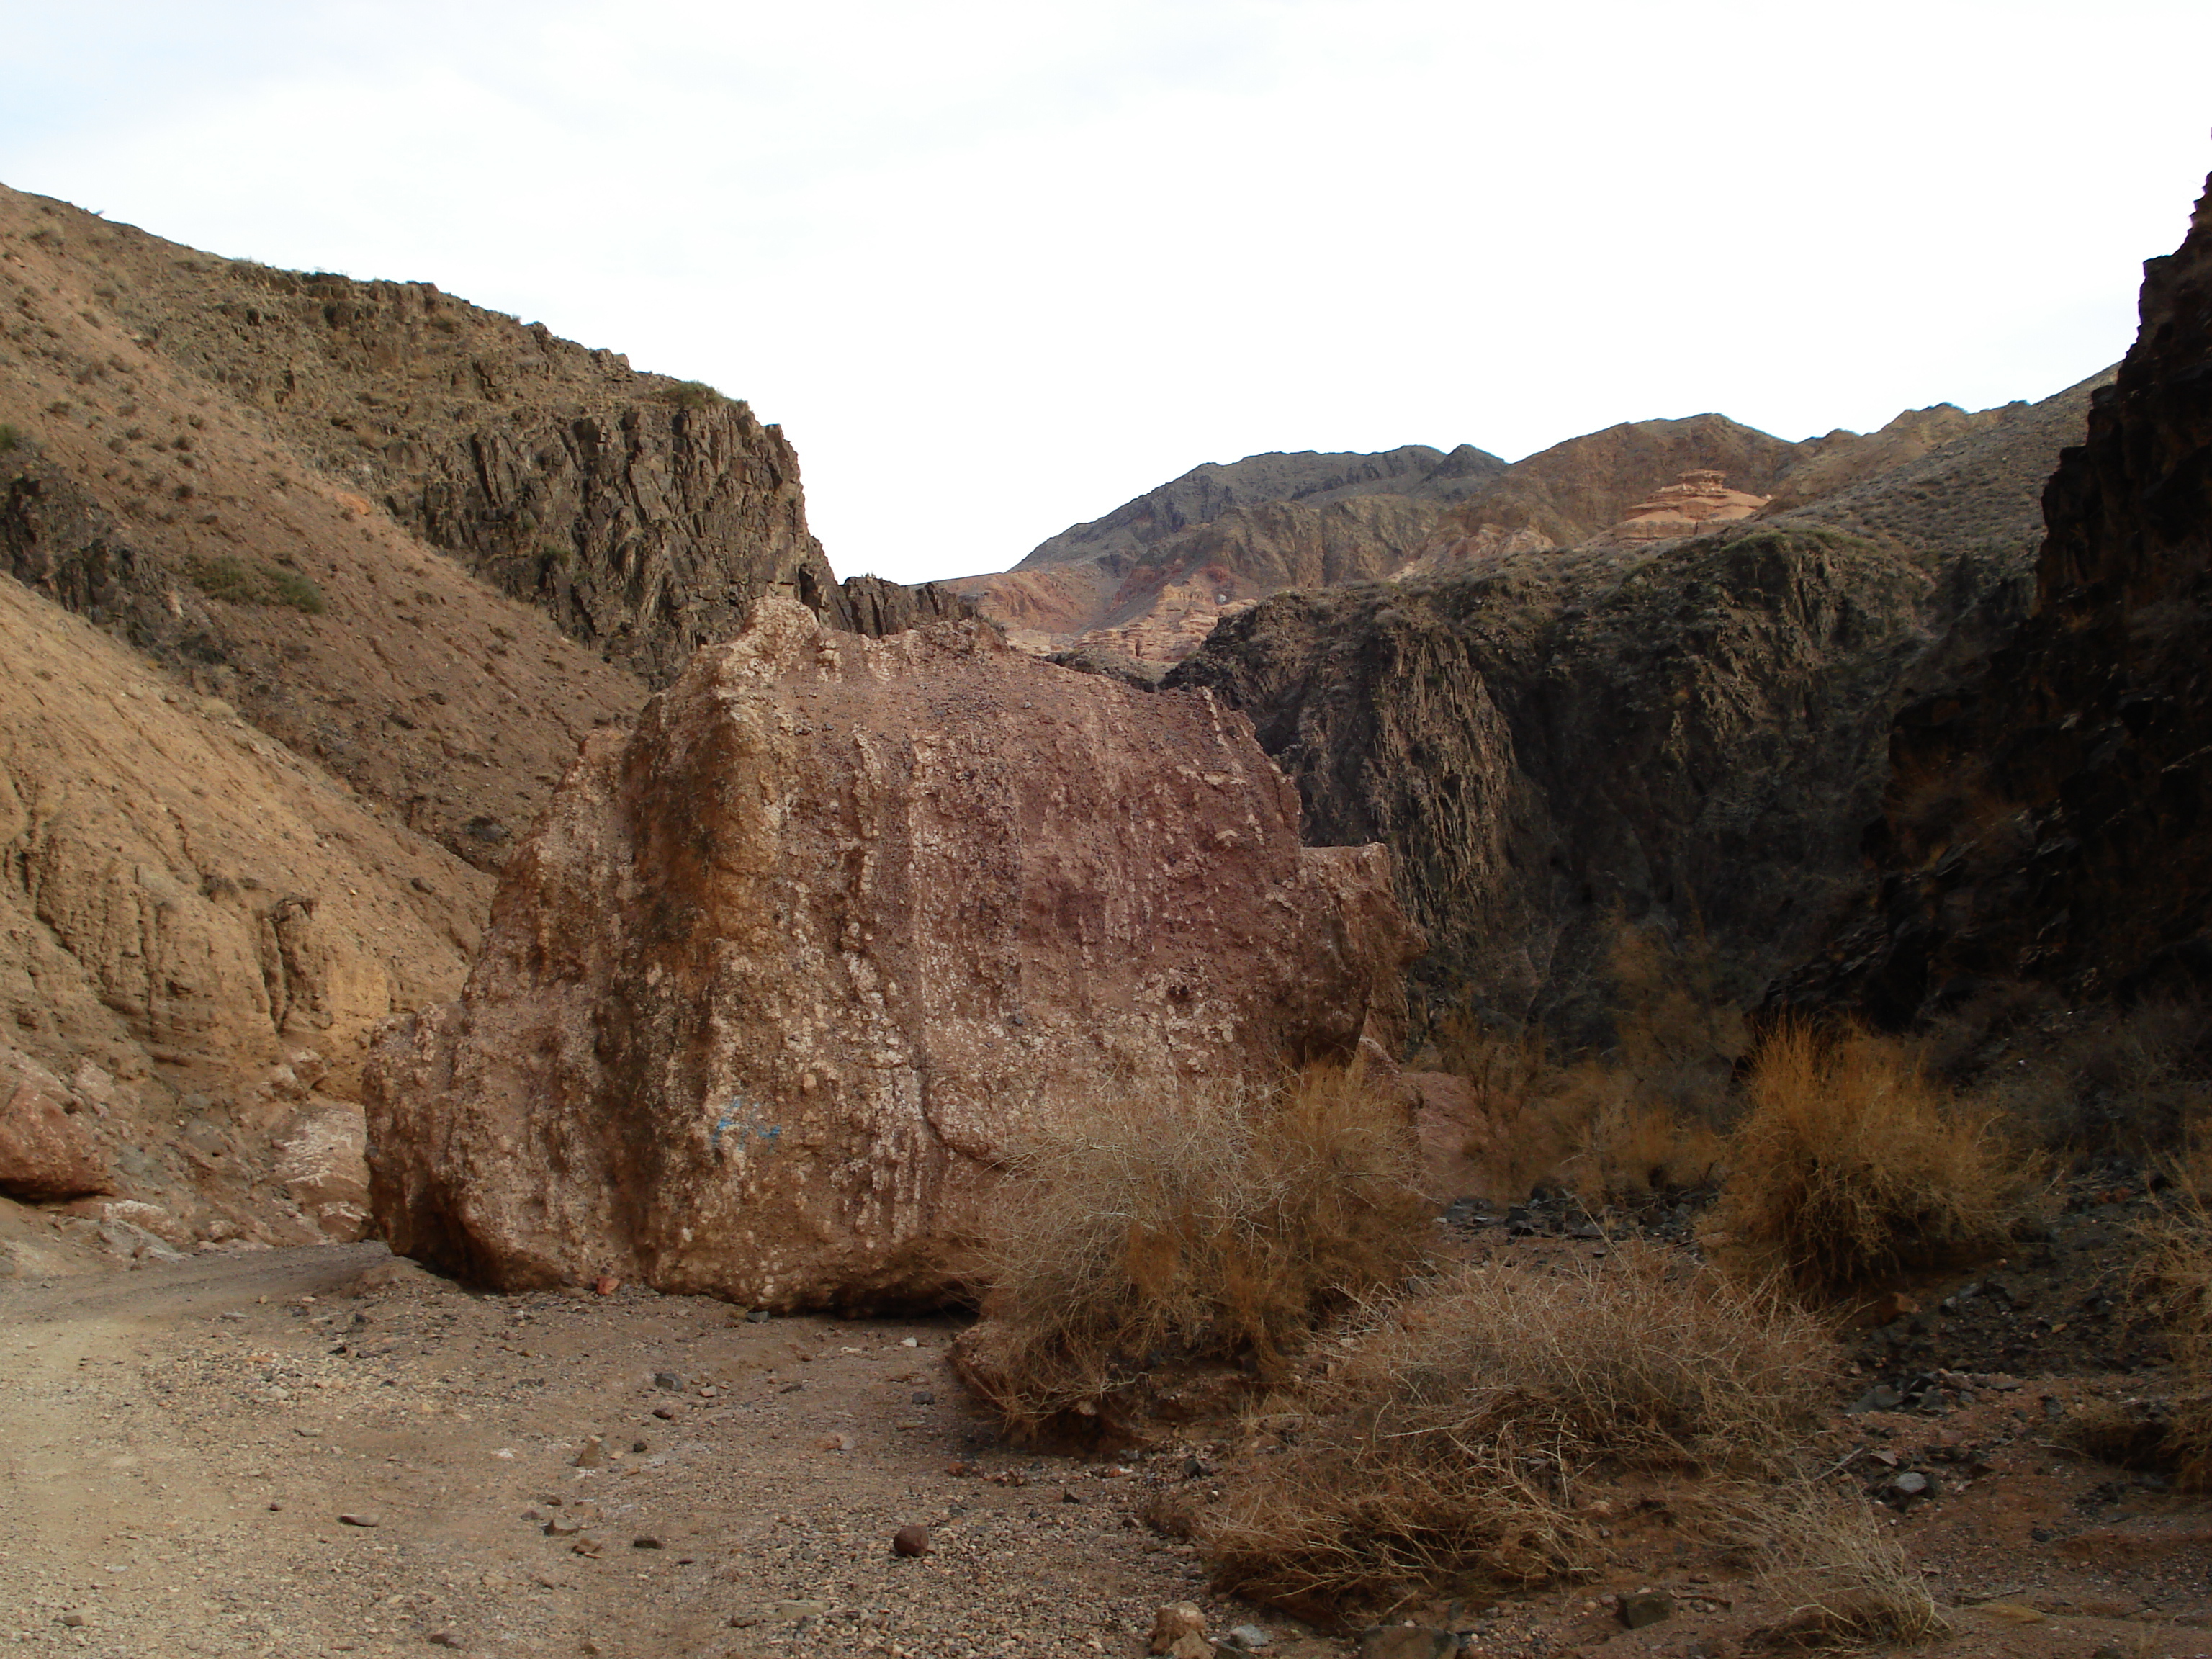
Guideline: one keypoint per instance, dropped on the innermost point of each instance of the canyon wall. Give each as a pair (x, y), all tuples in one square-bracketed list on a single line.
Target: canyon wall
[(2045, 817)]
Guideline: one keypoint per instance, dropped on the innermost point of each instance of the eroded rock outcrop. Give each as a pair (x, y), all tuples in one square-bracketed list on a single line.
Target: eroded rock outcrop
[(1698, 499), (788, 969), (199, 930)]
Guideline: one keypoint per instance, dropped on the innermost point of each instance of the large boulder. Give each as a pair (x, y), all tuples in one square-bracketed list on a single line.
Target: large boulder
[(47, 1148), (787, 972)]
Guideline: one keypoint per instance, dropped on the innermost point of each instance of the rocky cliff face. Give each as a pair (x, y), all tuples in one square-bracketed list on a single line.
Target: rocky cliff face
[(788, 972), (2045, 818), (1682, 740), (644, 513), (1686, 737)]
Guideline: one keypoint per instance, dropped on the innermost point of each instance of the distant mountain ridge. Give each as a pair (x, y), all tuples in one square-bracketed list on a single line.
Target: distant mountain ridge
[(1144, 585), (1208, 492)]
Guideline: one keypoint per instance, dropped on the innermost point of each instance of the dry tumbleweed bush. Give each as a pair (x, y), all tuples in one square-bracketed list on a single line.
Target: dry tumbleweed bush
[(2173, 1282), (1852, 1162), (1456, 1436), (1824, 1555), (1222, 1222)]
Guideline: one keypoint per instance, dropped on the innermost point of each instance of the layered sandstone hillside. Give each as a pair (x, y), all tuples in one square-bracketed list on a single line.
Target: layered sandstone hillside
[(1559, 743), (199, 930)]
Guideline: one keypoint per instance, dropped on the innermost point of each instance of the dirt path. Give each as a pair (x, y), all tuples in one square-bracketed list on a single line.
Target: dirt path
[(178, 1446)]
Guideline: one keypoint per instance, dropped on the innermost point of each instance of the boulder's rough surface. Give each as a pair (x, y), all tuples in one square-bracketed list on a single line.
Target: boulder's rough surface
[(788, 970), (47, 1149), (2045, 819)]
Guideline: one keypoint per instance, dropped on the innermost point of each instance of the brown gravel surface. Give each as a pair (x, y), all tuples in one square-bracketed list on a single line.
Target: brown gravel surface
[(180, 1445)]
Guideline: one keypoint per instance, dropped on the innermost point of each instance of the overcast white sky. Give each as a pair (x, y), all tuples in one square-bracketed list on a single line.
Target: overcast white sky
[(997, 267)]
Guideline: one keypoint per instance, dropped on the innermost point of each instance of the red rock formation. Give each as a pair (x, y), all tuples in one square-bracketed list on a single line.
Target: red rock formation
[(787, 971), (1700, 497), (47, 1149)]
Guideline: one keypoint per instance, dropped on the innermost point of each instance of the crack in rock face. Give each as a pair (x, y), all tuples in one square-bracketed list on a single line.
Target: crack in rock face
[(788, 972)]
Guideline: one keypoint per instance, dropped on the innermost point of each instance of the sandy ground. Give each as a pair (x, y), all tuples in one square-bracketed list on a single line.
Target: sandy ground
[(180, 1447)]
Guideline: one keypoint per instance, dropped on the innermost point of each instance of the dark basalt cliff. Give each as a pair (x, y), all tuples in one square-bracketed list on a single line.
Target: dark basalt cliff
[(1561, 746), (2045, 819), (1687, 736)]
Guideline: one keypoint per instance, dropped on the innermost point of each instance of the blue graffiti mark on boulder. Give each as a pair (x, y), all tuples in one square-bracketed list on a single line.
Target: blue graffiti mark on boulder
[(741, 1122)]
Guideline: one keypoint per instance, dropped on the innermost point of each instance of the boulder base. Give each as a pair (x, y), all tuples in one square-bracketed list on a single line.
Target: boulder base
[(786, 974)]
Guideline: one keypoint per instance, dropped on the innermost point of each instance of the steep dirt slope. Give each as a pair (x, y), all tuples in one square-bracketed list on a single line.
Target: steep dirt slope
[(236, 468), (2045, 819), (1687, 736), (644, 513), (185, 907), (1841, 459)]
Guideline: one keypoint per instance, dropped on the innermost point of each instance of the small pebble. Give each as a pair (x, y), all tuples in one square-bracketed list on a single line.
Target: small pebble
[(359, 1518), (910, 1541)]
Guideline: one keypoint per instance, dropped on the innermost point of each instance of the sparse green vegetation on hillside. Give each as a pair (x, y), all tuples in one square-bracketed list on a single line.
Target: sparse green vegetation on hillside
[(246, 582)]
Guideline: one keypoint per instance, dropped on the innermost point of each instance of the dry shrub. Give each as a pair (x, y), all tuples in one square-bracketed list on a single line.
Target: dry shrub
[(1678, 1031), (1505, 1067), (1628, 1146), (1636, 1122), (1222, 1222), (2172, 1283), (1852, 1162), (2080, 1081), (1511, 1079), (1831, 1561), (1454, 1439)]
